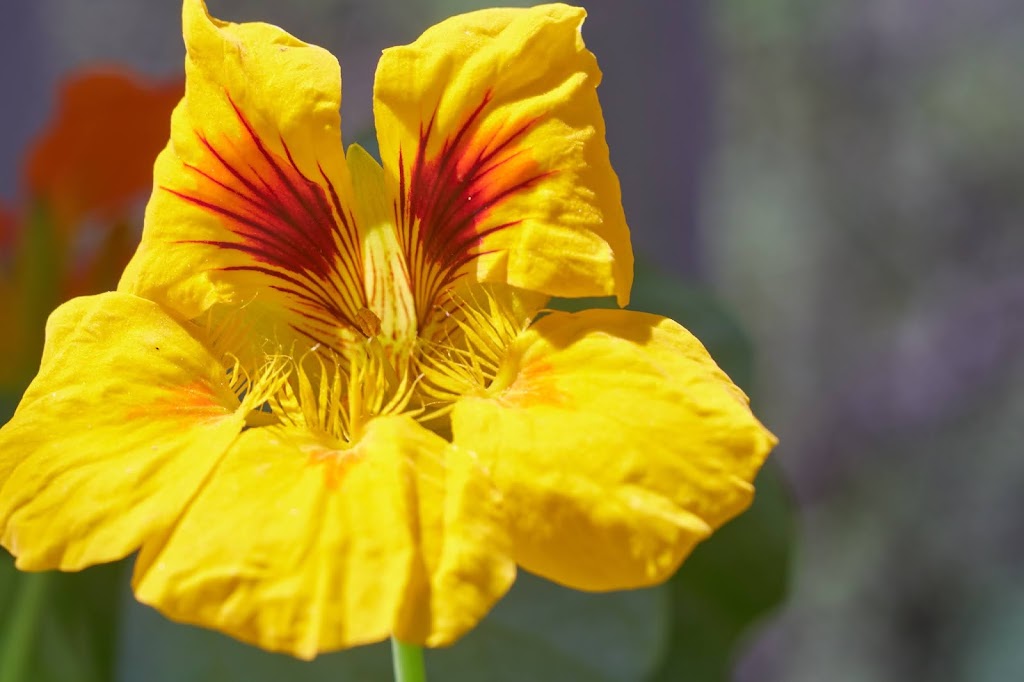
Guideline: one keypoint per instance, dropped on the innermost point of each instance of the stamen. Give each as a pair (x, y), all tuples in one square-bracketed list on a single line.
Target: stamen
[(465, 357), (336, 395)]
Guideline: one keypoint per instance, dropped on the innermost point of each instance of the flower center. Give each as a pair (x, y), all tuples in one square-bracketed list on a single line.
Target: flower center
[(335, 393), (465, 352)]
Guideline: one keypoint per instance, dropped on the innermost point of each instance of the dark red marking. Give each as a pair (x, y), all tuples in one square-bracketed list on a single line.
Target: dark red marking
[(297, 234), (451, 195)]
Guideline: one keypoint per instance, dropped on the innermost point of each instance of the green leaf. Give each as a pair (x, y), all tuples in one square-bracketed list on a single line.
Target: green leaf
[(545, 632), (8, 403), (539, 632), (733, 579)]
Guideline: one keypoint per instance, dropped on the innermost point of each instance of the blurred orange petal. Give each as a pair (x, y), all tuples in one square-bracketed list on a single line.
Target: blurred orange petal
[(11, 309), (97, 154), (8, 225)]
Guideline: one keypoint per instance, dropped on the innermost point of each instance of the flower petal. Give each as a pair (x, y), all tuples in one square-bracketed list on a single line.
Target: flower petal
[(300, 547), (96, 157), (9, 229), (13, 347), (252, 199), (618, 443), (388, 292), (126, 418), (492, 137)]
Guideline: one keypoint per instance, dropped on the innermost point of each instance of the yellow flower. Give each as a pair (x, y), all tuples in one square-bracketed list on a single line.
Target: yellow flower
[(325, 403)]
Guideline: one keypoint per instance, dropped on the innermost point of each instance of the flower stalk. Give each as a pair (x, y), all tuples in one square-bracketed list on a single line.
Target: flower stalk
[(22, 626), (408, 662)]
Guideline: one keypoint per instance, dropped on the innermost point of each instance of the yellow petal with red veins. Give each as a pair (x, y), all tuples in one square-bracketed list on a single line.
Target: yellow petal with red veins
[(125, 420), (619, 443), (492, 139), (298, 546), (252, 198)]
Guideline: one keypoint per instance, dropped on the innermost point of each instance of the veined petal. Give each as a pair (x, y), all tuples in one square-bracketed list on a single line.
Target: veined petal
[(251, 205), (618, 441), (298, 546), (128, 414), (388, 292), (493, 141)]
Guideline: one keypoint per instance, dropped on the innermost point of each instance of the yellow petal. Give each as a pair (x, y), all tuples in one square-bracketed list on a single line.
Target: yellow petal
[(252, 198), (126, 418), (492, 139), (301, 547), (617, 443), (388, 293)]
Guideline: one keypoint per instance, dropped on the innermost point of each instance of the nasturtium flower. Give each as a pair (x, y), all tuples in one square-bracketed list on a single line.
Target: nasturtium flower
[(327, 404)]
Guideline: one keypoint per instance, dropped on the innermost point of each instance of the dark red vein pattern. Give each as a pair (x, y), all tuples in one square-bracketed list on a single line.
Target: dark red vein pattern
[(294, 230), (447, 200)]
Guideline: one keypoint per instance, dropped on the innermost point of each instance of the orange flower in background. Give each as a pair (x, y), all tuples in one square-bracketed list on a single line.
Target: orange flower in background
[(11, 339), (96, 157), (80, 215), (7, 230), (326, 404)]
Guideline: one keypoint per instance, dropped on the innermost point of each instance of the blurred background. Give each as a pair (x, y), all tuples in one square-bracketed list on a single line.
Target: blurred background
[(831, 194)]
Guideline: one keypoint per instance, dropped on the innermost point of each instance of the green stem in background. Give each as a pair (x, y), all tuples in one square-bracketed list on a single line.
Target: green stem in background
[(407, 659), (22, 626)]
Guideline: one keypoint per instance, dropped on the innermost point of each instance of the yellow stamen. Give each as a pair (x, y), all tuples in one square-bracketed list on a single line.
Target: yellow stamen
[(337, 395), (470, 352)]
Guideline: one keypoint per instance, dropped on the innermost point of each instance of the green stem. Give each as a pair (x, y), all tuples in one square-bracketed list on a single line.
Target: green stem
[(408, 662), (22, 624)]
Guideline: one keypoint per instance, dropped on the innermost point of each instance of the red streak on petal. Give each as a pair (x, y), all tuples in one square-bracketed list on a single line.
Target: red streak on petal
[(294, 230), (451, 196)]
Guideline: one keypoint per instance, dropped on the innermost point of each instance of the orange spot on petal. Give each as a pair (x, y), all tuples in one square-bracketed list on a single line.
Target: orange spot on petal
[(535, 385), (193, 402), (336, 463)]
